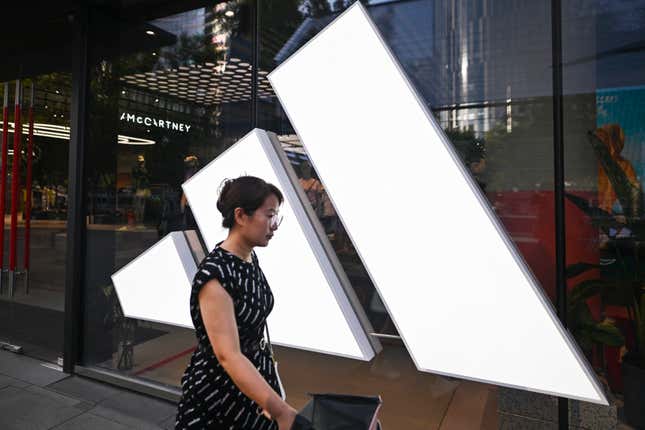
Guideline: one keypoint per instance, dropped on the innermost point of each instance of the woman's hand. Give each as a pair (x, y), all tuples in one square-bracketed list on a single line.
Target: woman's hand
[(286, 417)]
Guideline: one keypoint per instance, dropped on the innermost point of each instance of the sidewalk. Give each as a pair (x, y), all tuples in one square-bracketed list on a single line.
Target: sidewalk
[(33, 396)]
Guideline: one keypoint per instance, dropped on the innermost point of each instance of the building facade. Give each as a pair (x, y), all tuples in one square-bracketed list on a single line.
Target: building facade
[(542, 100)]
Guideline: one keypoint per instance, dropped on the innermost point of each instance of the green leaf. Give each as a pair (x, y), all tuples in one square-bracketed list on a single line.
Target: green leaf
[(606, 334), (586, 289), (580, 315), (599, 218), (576, 269)]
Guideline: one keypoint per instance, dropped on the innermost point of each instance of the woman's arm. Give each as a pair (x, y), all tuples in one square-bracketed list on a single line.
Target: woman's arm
[(219, 320)]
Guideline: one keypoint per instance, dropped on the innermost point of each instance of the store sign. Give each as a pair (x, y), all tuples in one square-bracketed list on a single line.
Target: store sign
[(460, 294), (295, 263), (155, 122), (462, 298)]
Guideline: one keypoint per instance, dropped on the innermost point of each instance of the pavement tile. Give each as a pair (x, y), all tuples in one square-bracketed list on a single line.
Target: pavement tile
[(83, 388), (169, 423), (89, 421), (22, 409), (9, 381), (28, 369), (65, 400), (123, 418), (140, 406)]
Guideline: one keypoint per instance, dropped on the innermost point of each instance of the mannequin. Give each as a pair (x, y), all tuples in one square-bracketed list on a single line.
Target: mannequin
[(141, 185), (191, 166)]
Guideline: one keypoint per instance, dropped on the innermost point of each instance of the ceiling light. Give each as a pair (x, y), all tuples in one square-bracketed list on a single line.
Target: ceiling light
[(150, 32)]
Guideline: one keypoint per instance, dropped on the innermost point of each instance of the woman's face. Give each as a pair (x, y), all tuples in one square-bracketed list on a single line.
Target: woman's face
[(258, 229)]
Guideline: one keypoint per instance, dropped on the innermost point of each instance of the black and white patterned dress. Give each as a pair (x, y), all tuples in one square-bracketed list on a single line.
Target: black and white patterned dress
[(210, 399)]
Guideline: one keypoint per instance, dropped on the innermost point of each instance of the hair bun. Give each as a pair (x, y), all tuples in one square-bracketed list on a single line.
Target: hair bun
[(224, 188)]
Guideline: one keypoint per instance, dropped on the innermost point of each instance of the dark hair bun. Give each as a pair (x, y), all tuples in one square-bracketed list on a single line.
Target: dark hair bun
[(246, 192)]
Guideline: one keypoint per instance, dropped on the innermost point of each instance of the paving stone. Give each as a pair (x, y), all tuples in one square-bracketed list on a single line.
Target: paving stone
[(89, 421), (83, 388), (28, 369), (65, 400), (140, 406), (8, 380), (169, 423), (125, 419), (22, 409)]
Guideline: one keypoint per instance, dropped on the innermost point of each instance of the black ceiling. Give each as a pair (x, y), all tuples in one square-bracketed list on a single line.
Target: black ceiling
[(36, 38)]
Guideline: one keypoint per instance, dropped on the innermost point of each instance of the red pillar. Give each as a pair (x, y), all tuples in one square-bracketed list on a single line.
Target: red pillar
[(30, 151), (15, 184), (3, 172)]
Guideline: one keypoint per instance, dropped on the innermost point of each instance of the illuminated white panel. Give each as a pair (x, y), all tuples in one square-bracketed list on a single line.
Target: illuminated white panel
[(460, 295), (156, 285), (311, 309)]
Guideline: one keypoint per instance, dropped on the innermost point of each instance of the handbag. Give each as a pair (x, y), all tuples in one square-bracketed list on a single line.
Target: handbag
[(342, 411)]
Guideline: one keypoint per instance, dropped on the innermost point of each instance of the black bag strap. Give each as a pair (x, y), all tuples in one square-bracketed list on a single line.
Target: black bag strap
[(266, 328)]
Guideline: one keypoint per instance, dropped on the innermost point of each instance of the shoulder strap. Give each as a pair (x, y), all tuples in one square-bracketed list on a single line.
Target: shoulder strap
[(266, 328)]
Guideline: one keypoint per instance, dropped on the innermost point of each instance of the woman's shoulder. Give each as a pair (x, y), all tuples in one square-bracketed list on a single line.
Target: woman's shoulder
[(215, 265)]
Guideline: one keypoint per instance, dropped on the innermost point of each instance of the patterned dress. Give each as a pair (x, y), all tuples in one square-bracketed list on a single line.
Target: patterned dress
[(210, 399)]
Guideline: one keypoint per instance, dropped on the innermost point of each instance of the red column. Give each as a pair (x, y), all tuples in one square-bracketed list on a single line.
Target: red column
[(30, 151), (3, 170), (15, 181)]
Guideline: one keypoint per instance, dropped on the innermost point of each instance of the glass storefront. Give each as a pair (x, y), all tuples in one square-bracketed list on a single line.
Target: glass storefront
[(37, 94), (176, 95), (604, 130), (176, 88)]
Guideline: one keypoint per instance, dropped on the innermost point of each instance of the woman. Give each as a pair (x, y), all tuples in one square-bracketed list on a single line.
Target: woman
[(231, 382)]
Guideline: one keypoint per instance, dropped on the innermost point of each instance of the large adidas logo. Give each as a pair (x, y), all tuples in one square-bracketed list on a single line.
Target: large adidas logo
[(461, 296)]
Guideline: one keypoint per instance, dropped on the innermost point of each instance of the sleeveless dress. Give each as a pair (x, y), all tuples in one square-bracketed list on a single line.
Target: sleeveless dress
[(210, 399)]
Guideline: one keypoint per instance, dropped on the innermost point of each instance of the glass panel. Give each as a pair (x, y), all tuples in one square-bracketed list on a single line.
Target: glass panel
[(32, 307), (175, 95), (604, 130), (470, 64)]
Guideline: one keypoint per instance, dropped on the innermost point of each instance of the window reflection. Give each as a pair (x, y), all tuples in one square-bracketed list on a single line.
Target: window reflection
[(604, 135), (175, 96)]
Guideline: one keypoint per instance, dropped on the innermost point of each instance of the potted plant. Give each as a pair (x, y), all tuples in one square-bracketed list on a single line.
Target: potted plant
[(623, 278), (588, 330)]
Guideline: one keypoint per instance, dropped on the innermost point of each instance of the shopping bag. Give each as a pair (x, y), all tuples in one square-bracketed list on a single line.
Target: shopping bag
[(342, 412)]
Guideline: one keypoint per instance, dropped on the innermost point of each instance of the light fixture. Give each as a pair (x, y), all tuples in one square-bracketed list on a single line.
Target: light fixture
[(154, 54), (441, 311), (150, 32), (130, 140), (333, 325), (229, 13)]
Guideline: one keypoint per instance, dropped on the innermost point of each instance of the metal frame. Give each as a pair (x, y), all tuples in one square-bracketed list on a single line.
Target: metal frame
[(138, 385), (76, 229), (558, 172), (255, 60), (316, 236)]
